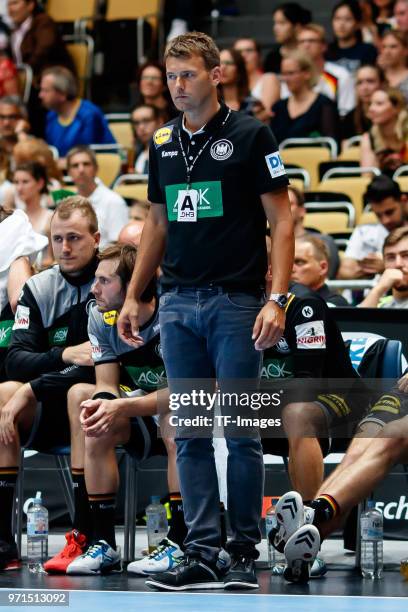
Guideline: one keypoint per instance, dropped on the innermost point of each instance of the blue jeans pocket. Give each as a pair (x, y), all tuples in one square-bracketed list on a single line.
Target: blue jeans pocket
[(245, 301)]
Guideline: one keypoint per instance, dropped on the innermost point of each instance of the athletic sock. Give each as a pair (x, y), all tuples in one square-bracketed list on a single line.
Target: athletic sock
[(8, 478), (325, 507), (82, 515), (102, 507), (178, 529)]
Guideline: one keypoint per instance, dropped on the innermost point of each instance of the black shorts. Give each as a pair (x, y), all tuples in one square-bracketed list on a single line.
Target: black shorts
[(388, 408), (280, 446), (51, 426), (343, 413), (144, 440)]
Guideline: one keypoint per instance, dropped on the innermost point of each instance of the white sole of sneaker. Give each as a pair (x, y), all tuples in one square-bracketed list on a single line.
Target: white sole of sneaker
[(187, 587), (289, 517), (99, 572), (300, 551), (238, 586)]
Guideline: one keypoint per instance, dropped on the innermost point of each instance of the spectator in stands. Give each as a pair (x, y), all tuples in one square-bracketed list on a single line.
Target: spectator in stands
[(262, 85), (363, 256), (311, 267), (30, 181), (146, 118), (348, 50), (70, 121), (9, 85), (109, 206), (35, 149), (368, 80), (20, 245), (369, 29), (384, 14), (298, 210), (395, 275), (401, 15), (385, 144), (334, 81), (139, 210), (305, 113), (234, 85), (152, 88), (287, 18), (393, 59), (14, 125), (131, 232), (35, 39)]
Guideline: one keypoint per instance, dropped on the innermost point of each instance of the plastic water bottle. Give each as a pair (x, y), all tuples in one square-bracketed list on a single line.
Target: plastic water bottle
[(371, 542), (157, 525), (276, 560), (37, 533)]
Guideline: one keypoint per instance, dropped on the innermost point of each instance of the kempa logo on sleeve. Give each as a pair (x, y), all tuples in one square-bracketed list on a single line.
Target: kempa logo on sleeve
[(208, 204), (275, 164)]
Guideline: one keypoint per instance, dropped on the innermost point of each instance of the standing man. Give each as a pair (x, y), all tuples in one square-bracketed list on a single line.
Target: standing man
[(214, 176)]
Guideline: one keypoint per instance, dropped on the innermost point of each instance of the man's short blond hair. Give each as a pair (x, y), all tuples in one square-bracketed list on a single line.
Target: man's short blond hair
[(194, 43), (69, 205)]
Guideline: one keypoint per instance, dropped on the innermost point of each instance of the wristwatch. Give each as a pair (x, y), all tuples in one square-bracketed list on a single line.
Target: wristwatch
[(281, 299)]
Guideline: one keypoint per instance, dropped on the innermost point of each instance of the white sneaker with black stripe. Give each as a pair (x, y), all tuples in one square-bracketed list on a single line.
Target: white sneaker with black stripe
[(166, 556), (99, 558), (290, 515), (301, 551)]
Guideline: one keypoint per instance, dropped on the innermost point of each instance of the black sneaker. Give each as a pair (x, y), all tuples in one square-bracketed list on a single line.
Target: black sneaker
[(192, 573), (241, 574), (9, 559)]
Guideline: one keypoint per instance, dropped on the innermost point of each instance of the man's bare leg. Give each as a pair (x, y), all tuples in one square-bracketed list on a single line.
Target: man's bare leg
[(362, 440), (17, 412), (355, 482), (301, 421)]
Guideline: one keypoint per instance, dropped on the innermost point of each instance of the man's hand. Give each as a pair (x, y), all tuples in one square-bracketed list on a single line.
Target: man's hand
[(11, 410), (269, 326), (80, 355), (7, 428), (389, 278), (98, 416), (373, 263), (128, 323)]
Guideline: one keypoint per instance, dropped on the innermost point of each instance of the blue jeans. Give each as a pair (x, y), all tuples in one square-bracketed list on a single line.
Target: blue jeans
[(206, 334)]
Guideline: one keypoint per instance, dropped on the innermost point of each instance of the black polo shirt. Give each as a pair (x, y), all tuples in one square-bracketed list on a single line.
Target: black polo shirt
[(225, 245)]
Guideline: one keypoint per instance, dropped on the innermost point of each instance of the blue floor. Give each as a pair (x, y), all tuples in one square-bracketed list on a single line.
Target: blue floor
[(85, 601)]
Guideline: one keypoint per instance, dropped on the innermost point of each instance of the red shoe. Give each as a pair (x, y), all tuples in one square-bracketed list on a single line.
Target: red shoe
[(75, 546)]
